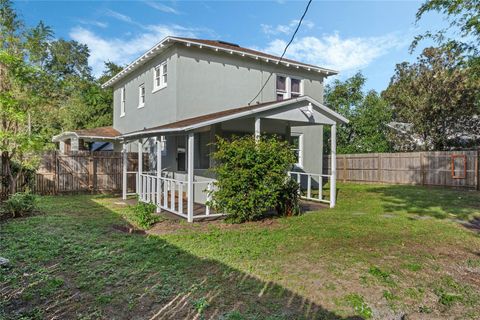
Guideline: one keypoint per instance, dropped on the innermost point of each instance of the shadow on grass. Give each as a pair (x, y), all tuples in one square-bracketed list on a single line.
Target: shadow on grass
[(436, 202), (71, 263)]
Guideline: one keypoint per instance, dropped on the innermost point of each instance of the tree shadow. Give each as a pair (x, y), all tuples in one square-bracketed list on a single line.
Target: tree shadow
[(72, 263), (435, 202)]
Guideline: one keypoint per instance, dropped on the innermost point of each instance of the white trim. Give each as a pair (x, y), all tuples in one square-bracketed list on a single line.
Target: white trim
[(161, 74), (123, 101), (141, 95), (278, 104), (166, 41), (300, 148), (287, 93)]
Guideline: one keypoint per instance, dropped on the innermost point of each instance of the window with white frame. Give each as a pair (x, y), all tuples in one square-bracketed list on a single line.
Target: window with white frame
[(160, 76), (122, 101), (296, 140), (281, 88), (141, 95), (288, 87)]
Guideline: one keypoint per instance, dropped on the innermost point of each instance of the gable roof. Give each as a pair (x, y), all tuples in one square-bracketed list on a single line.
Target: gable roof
[(217, 117), (215, 45), (101, 133)]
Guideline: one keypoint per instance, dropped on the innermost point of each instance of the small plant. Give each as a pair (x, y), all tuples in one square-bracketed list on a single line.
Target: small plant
[(200, 305), (144, 214), (288, 199), (19, 204), (357, 302), (381, 275)]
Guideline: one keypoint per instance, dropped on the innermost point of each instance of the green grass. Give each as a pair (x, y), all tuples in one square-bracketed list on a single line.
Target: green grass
[(383, 251)]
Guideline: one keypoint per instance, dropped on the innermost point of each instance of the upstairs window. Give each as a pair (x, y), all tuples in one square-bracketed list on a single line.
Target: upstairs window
[(160, 76), (295, 88), (288, 87), (281, 88), (122, 102), (141, 96)]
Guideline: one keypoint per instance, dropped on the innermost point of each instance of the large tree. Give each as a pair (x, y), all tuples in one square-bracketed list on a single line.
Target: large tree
[(437, 96), (368, 114)]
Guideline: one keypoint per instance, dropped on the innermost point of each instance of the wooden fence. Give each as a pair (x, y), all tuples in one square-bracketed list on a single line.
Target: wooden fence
[(437, 168), (79, 172)]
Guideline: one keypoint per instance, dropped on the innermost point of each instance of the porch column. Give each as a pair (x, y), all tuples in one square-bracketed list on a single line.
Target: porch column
[(333, 165), (140, 169), (190, 148), (257, 128), (124, 171), (159, 173)]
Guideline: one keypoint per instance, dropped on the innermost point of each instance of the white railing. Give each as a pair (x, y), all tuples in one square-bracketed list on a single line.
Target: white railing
[(171, 195), (307, 182)]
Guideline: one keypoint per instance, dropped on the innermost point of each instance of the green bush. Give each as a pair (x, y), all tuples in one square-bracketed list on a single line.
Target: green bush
[(288, 199), (143, 214), (19, 204), (251, 177)]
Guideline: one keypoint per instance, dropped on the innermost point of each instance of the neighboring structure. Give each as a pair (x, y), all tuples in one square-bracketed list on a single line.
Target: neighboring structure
[(175, 99), (97, 139)]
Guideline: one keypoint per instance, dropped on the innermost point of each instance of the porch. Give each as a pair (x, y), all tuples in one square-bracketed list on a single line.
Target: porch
[(180, 181)]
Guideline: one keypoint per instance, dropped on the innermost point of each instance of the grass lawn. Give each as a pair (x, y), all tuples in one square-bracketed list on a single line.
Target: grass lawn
[(382, 253)]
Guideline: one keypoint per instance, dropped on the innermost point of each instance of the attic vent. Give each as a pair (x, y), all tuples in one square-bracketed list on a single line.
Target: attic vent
[(228, 43)]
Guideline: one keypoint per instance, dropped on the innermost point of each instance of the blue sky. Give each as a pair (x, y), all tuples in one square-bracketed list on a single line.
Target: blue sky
[(371, 36)]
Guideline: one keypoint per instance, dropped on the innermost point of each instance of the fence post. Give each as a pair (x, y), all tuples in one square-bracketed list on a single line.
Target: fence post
[(477, 173), (379, 168), (422, 167)]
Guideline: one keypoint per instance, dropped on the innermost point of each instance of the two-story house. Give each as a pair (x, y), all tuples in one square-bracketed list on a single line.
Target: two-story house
[(177, 97)]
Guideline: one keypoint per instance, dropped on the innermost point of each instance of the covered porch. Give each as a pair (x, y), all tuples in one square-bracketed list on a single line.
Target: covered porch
[(179, 180)]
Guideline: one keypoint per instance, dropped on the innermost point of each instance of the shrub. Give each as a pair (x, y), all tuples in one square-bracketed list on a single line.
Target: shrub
[(143, 214), (288, 199), (251, 177), (19, 204)]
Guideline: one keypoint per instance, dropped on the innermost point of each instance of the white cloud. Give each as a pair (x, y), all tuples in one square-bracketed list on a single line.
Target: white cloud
[(285, 28), (125, 50), (94, 23), (161, 7), (119, 16), (335, 52)]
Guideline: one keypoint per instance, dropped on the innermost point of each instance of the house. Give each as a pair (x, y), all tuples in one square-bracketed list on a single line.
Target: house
[(176, 98)]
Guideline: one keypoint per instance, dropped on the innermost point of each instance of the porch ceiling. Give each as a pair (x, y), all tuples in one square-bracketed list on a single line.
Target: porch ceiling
[(298, 111)]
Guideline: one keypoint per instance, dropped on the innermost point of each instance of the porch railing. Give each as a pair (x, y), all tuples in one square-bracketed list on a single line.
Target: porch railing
[(311, 185), (172, 194)]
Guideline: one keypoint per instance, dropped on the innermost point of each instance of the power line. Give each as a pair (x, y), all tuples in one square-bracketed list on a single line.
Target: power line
[(285, 50)]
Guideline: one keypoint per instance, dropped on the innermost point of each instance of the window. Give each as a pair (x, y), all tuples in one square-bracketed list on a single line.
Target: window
[(281, 88), (288, 87), (296, 141), (202, 150), (122, 102), (295, 88), (141, 96), (160, 76)]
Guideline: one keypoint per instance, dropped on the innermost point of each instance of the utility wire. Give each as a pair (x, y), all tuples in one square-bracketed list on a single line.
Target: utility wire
[(285, 50)]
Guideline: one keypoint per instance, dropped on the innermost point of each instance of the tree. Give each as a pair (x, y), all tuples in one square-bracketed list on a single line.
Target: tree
[(438, 97), (463, 15), (18, 99), (368, 114)]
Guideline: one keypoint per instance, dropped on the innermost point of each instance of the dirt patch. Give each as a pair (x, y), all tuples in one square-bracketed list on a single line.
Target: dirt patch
[(127, 229), (174, 226)]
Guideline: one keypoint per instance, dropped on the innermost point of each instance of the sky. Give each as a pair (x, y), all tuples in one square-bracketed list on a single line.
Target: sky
[(347, 36)]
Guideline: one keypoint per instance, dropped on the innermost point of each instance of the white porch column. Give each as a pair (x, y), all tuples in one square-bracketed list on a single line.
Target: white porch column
[(190, 148), (140, 169), (333, 165), (124, 171), (257, 128), (159, 173)]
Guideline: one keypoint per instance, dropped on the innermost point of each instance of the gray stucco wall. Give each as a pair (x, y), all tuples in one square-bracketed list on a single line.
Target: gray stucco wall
[(202, 81)]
